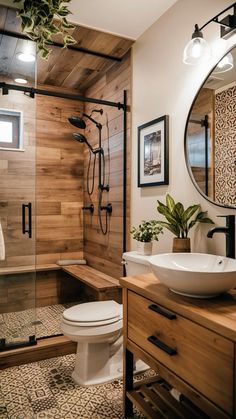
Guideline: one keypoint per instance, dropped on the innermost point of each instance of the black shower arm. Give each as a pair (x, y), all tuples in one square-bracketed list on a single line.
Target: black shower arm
[(98, 125)]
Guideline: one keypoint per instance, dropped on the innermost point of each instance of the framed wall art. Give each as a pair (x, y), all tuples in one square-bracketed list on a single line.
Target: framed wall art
[(153, 152)]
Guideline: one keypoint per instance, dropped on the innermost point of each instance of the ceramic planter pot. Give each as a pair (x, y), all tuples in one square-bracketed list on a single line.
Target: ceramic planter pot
[(181, 245), (144, 248)]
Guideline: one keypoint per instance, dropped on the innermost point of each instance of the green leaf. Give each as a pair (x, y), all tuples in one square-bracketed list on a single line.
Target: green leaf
[(63, 11), (26, 23), (37, 22), (170, 202), (191, 224), (173, 228), (69, 40), (44, 53), (206, 220), (178, 217), (66, 24), (188, 213)]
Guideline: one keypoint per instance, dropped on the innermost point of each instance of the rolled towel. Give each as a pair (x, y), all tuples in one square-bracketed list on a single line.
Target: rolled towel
[(2, 244), (65, 262)]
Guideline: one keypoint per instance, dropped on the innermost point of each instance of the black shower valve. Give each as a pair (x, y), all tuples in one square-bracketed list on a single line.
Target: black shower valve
[(104, 188), (107, 208), (88, 208)]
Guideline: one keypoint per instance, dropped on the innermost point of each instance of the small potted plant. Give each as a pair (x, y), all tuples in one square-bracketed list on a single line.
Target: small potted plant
[(180, 221), (145, 233), (39, 24)]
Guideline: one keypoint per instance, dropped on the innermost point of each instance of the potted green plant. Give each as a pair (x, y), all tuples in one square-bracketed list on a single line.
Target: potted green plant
[(180, 221), (145, 233), (39, 24)]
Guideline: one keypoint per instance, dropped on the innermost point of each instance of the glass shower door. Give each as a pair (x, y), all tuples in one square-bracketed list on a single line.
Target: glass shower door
[(17, 202)]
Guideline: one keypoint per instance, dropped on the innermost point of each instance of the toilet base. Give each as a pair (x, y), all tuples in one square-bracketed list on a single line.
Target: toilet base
[(101, 363), (117, 374)]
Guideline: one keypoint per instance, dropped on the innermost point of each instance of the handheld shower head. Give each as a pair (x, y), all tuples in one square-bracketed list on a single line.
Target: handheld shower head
[(82, 139), (77, 122), (79, 137)]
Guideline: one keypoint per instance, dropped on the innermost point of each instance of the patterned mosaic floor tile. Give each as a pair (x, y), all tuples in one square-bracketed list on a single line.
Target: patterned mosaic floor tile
[(42, 321), (45, 390)]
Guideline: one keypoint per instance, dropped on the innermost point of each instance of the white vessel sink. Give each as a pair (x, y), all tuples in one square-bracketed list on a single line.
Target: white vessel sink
[(196, 275)]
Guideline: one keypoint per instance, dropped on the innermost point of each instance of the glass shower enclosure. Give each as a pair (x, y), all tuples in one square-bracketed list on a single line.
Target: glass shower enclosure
[(17, 198)]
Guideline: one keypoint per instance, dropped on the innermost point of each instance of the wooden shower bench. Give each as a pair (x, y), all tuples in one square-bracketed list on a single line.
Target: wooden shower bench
[(105, 286)]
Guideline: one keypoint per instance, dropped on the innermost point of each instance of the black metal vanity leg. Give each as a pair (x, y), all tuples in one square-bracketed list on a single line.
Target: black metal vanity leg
[(128, 382)]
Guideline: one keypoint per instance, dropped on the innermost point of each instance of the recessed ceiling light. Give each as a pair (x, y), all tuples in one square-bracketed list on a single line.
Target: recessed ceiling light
[(20, 80), (26, 57)]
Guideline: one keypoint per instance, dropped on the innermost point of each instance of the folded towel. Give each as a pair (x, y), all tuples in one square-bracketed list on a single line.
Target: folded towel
[(2, 244)]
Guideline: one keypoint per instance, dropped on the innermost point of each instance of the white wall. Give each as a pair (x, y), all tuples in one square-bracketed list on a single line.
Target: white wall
[(162, 84)]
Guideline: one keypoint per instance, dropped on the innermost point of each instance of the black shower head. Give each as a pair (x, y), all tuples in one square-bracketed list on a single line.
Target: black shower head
[(82, 139), (79, 137), (77, 122)]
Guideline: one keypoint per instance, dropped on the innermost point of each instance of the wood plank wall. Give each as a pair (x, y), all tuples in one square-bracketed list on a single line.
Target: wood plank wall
[(17, 184), (204, 105), (59, 184), (105, 252)]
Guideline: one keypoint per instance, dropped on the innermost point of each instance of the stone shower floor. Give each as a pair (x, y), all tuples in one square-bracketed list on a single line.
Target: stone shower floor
[(43, 321), (45, 390)]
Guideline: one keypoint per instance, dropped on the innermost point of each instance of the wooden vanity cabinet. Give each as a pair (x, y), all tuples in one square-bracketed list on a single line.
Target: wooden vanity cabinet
[(190, 343)]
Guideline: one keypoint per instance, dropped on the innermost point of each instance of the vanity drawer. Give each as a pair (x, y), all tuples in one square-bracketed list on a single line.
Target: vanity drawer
[(199, 356)]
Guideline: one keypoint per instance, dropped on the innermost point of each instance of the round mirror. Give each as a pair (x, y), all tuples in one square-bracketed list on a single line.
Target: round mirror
[(210, 135)]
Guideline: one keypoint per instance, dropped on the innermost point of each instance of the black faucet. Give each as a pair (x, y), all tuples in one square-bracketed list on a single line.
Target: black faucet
[(229, 231)]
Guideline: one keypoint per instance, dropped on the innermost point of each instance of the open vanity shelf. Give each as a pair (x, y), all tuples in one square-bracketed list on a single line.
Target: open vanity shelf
[(190, 343)]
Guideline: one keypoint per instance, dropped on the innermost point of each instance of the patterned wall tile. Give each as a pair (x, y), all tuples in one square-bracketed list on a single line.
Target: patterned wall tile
[(225, 146)]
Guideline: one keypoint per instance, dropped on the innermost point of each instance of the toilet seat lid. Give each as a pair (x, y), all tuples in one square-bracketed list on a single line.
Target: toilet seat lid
[(95, 312)]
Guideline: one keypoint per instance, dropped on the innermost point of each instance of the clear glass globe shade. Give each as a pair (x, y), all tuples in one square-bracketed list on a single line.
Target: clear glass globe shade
[(226, 64), (197, 50)]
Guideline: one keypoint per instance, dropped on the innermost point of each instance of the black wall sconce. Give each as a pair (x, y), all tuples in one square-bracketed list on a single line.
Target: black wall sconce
[(197, 50)]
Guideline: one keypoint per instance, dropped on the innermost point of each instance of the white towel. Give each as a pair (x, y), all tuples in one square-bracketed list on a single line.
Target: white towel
[(2, 244), (64, 262)]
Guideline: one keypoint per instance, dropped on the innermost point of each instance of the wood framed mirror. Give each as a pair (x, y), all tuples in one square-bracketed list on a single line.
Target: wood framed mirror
[(210, 135)]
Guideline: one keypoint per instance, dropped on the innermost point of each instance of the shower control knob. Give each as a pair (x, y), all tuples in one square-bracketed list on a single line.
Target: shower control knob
[(107, 208), (105, 188), (89, 208)]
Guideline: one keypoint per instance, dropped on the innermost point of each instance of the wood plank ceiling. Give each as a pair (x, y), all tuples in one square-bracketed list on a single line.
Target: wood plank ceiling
[(64, 68)]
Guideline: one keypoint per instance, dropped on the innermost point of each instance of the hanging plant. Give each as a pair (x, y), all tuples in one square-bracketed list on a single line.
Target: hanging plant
[(39, 24)]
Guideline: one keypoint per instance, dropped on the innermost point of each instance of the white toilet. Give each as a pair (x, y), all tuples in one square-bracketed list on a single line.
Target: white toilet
[(97, 329)]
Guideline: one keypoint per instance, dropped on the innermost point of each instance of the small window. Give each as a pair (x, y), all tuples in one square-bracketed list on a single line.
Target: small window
[(10, 129)]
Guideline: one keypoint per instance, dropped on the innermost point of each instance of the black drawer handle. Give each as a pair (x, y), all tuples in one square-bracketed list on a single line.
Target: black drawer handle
[(155, 341), (166, 313)]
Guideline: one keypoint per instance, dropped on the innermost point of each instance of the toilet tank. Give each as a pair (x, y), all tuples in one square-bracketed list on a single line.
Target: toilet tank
[(136, 264)]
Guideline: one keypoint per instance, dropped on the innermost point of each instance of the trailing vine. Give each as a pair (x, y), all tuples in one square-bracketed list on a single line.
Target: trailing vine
[(42, 19)]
